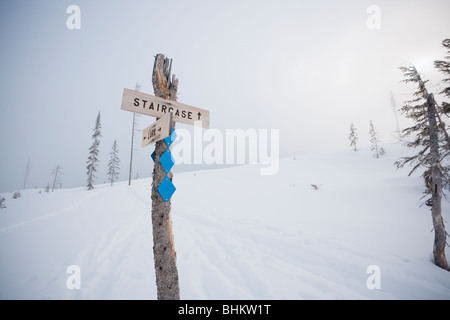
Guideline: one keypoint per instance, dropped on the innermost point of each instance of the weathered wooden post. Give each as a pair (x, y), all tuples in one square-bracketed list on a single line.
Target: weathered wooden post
[(165, 107), (163, 246)]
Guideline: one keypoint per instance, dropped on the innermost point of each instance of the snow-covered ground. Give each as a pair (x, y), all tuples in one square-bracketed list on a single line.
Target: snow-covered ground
[(238, 235)]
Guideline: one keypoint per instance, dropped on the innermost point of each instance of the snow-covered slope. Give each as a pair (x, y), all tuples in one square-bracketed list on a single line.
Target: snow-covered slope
[(238, 235)]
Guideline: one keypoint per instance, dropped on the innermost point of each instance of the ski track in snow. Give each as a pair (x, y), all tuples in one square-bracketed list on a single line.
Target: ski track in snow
[(46, 216), (108, 267), (241, 254), (248, 260), (106, 263)]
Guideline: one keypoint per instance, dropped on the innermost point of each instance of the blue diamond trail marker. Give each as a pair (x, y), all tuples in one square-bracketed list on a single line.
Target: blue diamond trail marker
[(166, 189), (171, 138), (167, 161)]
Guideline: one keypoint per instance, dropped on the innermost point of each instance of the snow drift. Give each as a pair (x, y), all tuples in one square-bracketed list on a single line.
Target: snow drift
[(238, 235)]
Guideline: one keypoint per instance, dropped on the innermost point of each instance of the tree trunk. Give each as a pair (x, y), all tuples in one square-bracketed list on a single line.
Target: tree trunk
[(163, 247), (436, 178)]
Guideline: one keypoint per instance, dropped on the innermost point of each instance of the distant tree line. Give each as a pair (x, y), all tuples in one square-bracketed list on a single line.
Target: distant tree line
[(374, 140), (92, 162)]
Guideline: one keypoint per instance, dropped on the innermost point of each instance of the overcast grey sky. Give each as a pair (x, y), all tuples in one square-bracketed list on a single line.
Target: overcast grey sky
[(307, 68)]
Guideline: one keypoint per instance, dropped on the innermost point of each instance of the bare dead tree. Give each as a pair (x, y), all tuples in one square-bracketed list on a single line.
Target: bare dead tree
[(138, 87), (27, 173), (56, 172), (398, 132)]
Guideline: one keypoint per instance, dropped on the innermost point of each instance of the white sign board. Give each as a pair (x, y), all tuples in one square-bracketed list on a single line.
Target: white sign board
[(147, 104)]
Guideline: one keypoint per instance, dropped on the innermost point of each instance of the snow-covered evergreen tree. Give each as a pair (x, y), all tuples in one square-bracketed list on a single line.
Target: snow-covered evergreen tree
[(93, 154), (2, 203), (443, 112), (374, 141), (444, 67), (353, 137), (113, 165), (418, 135), (426, 134)]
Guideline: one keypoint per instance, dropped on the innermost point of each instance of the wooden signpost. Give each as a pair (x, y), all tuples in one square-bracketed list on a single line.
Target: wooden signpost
[(164, 106)]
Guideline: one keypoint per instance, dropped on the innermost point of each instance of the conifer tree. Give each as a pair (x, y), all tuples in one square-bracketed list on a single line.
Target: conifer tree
[(426, 134), (443, 111), (418, 134), (374, 141), (93, 154), (2, 203), (444, 67), (353, 137), (113, 165), (56, 172)]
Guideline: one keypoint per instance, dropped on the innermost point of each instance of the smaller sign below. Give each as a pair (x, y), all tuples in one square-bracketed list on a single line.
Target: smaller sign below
[(157, 131)]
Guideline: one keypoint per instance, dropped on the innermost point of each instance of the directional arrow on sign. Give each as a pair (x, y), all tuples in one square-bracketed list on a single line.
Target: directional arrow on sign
[(157, 131)]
